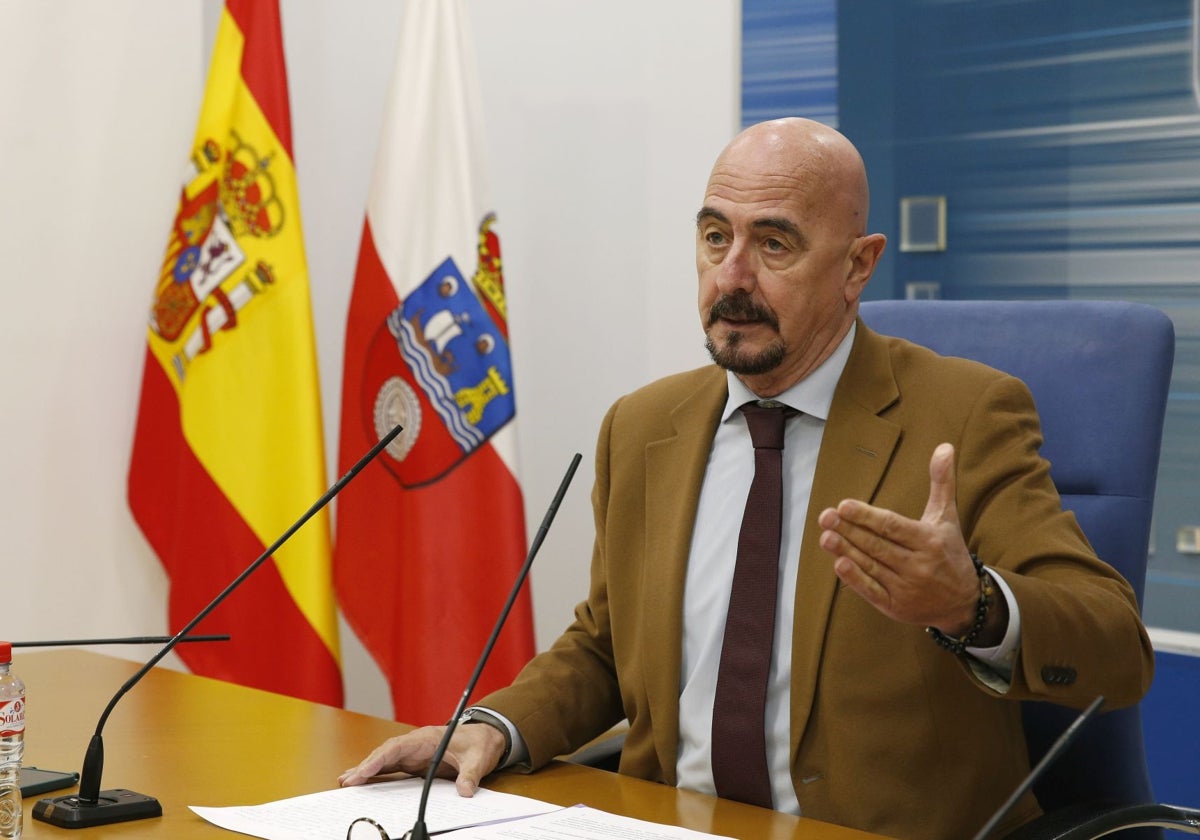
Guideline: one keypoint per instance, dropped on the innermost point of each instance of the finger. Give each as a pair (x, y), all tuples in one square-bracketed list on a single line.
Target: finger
[(474, 752), (358, 775), (407, 753), (852, 574), (466, 784), (941, 506), (370, 767), (883, 534), (853, 565)]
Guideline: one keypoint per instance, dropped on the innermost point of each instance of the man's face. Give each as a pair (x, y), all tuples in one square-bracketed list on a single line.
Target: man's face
[(774, 258)]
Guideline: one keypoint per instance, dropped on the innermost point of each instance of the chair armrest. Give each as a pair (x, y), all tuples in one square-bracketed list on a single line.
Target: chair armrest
[(603, 753), (1087, 822)]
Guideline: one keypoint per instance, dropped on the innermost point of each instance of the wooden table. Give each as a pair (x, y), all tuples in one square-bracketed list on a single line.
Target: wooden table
[(189, 740)]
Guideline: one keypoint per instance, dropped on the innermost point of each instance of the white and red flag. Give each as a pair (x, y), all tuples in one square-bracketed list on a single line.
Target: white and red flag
[(430, 537)]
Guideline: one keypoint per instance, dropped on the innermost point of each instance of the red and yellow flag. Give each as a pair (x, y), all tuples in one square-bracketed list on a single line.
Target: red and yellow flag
[(228, 451)]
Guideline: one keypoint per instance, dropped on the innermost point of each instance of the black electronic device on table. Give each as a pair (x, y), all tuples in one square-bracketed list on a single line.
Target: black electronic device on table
[(35, 780)]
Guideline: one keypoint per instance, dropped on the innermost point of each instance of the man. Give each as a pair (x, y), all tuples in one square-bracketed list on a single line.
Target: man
[(897, 656)]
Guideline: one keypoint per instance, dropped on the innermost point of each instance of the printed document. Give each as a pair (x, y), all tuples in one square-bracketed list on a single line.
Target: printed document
[(489, 815), (393, 805), (579, 823)]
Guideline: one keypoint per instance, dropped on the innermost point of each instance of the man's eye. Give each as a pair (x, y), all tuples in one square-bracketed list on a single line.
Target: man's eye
[(773, 245), (714, 238)]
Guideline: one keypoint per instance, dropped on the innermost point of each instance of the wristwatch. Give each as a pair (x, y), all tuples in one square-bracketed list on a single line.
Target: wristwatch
[(477, 715)]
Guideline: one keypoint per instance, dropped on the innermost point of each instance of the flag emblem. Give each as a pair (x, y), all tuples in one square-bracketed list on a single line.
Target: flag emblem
[(230, 196), (445, 368)]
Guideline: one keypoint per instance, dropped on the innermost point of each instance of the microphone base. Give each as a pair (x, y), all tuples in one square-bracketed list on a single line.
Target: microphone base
[(111, 806)]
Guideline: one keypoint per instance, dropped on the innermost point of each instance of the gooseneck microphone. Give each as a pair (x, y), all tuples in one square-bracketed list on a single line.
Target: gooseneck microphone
[(418, 831), (1049, 758), (123, 640), (92, 806)]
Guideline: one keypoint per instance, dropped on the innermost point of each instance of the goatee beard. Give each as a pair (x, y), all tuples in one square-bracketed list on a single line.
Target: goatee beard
[(740, 307), (732, 360)]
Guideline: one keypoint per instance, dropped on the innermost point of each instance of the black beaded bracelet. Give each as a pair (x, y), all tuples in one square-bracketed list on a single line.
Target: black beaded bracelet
[(958, 645)]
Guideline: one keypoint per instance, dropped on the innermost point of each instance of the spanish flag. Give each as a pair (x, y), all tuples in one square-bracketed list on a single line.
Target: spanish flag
[(430, 536), (228, 450)]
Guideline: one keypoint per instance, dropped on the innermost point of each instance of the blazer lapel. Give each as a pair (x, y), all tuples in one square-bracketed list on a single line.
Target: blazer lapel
[(675, 468), (856, 448)]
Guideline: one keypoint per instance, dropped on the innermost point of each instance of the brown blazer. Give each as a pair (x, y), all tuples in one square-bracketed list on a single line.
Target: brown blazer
[(889, 733)]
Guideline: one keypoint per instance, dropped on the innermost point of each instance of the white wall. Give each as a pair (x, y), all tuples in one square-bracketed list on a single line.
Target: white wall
[(602, 119)]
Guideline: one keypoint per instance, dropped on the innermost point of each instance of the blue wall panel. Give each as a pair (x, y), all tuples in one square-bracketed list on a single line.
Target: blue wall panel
[(1065, 135), (789, 61), (1172, 735)]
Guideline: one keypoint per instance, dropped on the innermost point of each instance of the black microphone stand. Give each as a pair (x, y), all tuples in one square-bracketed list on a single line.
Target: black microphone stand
[(1052, 754), (123, 640), (419, 831), (91, 806)]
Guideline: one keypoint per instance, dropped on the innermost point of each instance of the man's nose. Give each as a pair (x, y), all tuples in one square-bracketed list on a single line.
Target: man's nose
[(737, 271)]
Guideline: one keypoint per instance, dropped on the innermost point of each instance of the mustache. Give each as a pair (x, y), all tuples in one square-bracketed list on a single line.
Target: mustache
[(740, 307)]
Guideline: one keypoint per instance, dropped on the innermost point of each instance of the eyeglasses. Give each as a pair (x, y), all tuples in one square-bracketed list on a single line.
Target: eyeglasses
[(365, 832)]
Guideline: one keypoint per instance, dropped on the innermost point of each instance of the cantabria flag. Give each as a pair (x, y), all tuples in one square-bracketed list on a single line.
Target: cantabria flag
[(430, 537), (228, 450)]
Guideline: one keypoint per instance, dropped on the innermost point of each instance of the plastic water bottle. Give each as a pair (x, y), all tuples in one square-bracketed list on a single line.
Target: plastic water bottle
[(12, 745)]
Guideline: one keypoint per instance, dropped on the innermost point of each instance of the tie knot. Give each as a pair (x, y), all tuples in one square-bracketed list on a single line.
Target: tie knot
[(766, 420)]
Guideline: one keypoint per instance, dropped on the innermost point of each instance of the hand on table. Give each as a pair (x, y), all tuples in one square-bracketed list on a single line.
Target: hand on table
[(473, 752)]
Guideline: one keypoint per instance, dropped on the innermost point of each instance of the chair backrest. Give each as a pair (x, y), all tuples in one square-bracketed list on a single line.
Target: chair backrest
[(1099, 374)]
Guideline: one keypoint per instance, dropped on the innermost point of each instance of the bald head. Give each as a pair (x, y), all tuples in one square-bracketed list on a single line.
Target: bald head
[(807, 156), (782, 251)]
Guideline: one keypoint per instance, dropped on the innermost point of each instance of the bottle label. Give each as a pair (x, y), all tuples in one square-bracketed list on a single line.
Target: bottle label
[(12, 717)]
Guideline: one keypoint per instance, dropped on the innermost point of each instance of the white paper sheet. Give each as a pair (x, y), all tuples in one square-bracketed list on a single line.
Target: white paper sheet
[(580, 823), (325, 815)]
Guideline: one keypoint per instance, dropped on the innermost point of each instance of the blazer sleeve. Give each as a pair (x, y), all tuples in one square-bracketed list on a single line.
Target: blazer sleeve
[(569, 694), (1078, 615)]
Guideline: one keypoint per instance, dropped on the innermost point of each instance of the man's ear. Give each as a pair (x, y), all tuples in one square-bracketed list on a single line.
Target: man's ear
[(863, 257)]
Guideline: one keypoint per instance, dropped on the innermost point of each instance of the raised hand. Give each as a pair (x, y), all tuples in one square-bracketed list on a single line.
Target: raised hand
[(916, 571)]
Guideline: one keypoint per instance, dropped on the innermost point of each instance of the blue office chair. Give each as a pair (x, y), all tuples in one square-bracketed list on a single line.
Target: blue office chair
[(1099, 373)]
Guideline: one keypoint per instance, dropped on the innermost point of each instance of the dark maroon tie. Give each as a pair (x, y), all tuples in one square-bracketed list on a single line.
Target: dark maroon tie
[(739, 744)]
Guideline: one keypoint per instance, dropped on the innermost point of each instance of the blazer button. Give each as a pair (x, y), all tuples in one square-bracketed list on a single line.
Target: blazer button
[(1058, 675)]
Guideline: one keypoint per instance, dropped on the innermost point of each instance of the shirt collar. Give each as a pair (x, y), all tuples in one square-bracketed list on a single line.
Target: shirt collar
[(812, 395)]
